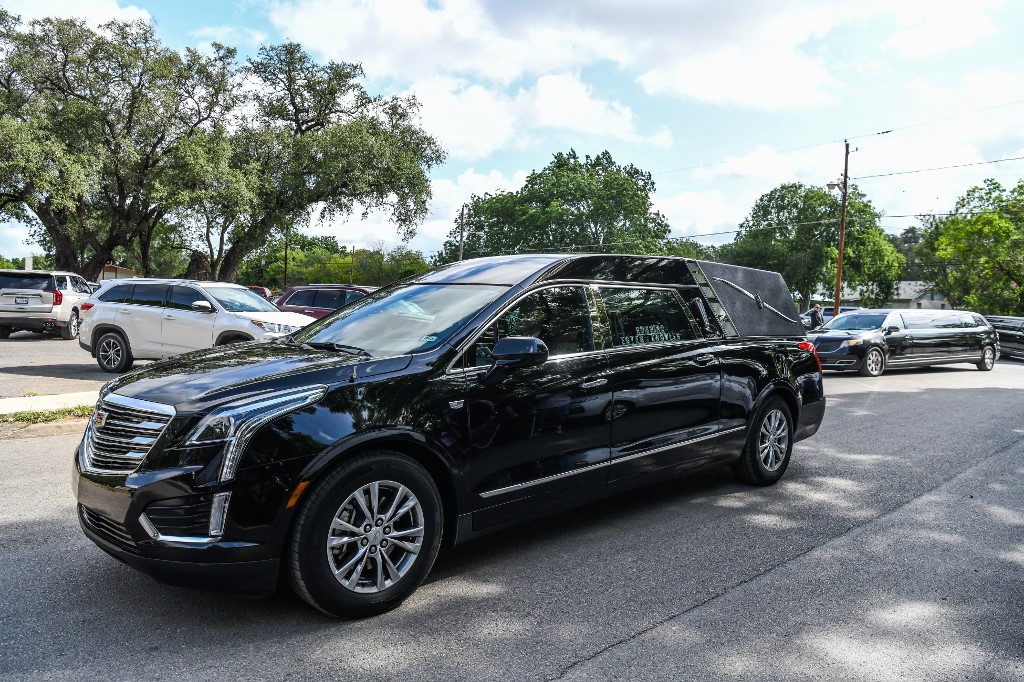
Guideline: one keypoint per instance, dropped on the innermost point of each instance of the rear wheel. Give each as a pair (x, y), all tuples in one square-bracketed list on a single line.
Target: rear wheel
[(367, 536), (874, 363), (769, 444), (988, 359), (113, 353), (70, 331)]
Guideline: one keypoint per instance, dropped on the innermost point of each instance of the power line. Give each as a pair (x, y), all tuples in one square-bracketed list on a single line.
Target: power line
[(854, 137), (925, 170)]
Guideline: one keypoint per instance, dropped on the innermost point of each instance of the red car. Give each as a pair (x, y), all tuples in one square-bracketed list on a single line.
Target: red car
[(262, 291), (318, 300)]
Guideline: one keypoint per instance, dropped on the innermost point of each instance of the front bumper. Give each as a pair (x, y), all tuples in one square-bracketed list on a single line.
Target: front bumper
[(157, 522), (841, 359)]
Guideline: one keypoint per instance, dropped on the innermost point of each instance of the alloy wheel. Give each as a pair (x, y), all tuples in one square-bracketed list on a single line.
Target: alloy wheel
[(375, 537), (773, 440), (110, 352)]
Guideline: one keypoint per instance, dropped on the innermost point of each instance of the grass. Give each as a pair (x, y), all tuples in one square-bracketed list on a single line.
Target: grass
[(43, 416)]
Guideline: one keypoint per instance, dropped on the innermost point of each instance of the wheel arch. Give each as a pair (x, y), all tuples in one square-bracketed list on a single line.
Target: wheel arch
[(232, 335), (99, 330)]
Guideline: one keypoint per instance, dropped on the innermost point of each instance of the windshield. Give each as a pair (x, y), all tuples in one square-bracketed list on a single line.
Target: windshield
[(407, 319), (238, 300), (856, 321)]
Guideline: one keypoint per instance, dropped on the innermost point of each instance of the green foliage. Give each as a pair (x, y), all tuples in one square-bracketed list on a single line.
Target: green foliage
[(322, 260), (794, 229), (975, 256), (573, 204), (43, 416)]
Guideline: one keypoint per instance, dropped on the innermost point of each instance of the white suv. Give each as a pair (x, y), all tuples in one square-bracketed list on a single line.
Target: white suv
[(41, 301), (149, 319)]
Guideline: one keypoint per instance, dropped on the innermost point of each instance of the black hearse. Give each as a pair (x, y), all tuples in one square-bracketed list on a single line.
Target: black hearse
[(869, 341), (473, 397)]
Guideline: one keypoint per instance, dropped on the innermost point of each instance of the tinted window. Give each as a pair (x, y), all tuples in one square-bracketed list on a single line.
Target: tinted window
[(120, 293), (939, 319), (329, 298), (18, 281), (560, 317), (149, 294), (302, 297), (62, 283), (856, 321), (640, 317), (354, 296), (80, 285), (895, 320), (979, 321), (182, 298)]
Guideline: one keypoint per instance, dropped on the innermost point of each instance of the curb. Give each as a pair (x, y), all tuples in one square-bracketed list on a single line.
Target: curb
[(46, 403)]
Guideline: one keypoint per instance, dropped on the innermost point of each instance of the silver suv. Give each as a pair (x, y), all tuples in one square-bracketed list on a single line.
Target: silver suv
[(41, 301), (150, 319)]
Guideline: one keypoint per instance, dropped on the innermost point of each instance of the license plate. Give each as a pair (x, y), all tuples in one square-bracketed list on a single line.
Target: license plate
[(20, 300)]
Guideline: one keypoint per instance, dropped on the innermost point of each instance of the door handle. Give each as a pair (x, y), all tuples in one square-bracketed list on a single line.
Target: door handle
[(594, 384), (704, 359), (169, 317), (125, 311), (308, 312)]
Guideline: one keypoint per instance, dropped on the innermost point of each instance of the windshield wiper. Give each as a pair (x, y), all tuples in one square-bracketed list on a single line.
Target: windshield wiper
[(328, 345)]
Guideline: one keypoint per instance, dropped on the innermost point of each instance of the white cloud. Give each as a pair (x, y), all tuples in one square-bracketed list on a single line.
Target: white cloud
[(928, 28), (94, 12)]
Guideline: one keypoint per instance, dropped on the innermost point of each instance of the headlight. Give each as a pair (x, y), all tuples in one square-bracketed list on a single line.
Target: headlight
[(275, 328), (854, 342), (236, 422)]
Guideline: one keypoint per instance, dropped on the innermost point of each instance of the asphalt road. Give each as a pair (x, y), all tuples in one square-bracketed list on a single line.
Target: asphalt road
[(892, 550), (42, 364)]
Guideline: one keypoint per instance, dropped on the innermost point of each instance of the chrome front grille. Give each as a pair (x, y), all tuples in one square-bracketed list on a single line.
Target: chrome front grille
[(828, 345), (121, 433), (110, 530)]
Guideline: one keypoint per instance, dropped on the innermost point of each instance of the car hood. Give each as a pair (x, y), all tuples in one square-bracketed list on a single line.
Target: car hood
[(280, 317), (193, 381)]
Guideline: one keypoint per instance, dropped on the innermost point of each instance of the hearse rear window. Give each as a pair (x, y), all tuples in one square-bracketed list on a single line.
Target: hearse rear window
[(642, 317)]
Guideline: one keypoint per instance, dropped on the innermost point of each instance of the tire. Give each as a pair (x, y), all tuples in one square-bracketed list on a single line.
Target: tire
[(771, 432), (113, 353), (988, 359), (874, 363), (5, 332), (70, 330), (334, 560)]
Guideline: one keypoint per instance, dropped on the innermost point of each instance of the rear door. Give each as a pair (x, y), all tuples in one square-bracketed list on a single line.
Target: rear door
[(142, 319), (26, 293), (300, 301), (666, 382), (1011, 335)]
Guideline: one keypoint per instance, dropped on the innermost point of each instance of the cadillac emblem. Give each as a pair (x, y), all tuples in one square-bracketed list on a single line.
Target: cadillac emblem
[(100, 420)]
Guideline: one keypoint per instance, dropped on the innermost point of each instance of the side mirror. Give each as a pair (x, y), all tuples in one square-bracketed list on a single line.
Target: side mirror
[(891, 329), (514, 352), (202, 307)]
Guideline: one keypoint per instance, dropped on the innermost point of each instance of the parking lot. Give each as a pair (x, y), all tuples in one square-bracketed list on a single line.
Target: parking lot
[(892, 549)]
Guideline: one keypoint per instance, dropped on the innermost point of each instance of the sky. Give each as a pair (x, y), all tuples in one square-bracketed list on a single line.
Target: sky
[(720, 100)]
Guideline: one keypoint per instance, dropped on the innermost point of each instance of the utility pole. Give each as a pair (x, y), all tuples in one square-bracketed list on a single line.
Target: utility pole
[(462, 230), (842, 233), (287, 229)]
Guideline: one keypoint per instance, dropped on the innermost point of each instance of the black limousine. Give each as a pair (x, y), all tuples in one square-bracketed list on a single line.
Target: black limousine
[(1010, 331), (869, 341), (473, 397)]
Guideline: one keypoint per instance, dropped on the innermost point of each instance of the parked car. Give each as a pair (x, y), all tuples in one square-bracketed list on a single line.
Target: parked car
[(41, 301), (826, 313), (1010, 331), (146, 319), (439, 409), (319, 300), (869, 341), (261, 291)]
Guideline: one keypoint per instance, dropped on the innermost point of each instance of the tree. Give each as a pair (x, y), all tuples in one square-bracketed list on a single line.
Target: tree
[(589, 204), (975, 256), (106, 111), (794, 229), (320, 147)]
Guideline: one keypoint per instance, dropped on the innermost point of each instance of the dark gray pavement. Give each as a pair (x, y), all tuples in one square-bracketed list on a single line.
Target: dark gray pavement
[(892, 550)]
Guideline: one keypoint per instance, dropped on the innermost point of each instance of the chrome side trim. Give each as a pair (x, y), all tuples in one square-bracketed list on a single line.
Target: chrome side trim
[(601, 465), (153, 533)]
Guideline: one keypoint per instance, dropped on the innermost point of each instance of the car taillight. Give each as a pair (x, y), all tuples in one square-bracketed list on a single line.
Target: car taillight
[(87, 306), (807, 345), (58, 297)]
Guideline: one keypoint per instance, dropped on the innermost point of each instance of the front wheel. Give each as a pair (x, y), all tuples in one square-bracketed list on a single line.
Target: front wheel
[(874, 363), (988, 359), (769, 444), (113, 353), (367, 536)]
